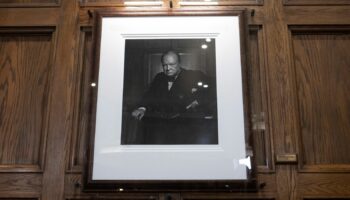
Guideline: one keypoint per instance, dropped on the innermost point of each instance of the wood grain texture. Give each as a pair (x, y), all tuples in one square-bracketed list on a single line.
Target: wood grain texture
[(221, 2), (257, 92), (29, 3), (81, 118), (322, 80), (119, 3), (227, 197), (24, 17), (24, 87), (62, 93), (313, 15), (15, 198), (316, 2), (282, 116), (160, 4), (20, 185), (325, 185)]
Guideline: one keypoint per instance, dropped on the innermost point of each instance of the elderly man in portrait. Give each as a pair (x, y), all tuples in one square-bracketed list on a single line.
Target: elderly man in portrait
[(179, 106)]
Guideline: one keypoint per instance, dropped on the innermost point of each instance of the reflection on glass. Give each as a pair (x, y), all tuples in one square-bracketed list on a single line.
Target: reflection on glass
[(246, 162)]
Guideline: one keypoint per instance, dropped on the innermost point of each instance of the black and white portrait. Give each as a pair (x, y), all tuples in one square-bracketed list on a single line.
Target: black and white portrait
[(169, 92)]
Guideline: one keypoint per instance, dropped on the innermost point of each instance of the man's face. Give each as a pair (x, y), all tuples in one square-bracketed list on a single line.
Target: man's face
[(171, 65)]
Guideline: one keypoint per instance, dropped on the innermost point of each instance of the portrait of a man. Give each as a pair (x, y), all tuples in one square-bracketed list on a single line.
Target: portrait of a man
[(170, 98)]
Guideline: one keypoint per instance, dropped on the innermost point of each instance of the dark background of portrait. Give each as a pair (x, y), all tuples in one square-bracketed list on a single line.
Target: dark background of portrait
[(143, 62)]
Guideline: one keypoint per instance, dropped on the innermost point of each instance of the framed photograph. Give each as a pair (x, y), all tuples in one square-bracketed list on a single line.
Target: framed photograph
[(169, 104)]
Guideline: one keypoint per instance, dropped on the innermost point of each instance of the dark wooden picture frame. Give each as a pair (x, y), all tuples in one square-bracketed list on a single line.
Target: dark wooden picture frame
[(117, 185)]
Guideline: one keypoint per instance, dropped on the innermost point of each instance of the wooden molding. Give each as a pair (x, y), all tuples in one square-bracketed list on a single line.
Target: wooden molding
[(176, 4), (315, 2), (33, 4), (83, 66)]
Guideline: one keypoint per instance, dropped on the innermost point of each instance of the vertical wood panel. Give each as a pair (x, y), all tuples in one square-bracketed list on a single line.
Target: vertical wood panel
[(61, 105), (24, 87), (29, 3), (80, 125), (257, 92), (322, 75), (282, 115)]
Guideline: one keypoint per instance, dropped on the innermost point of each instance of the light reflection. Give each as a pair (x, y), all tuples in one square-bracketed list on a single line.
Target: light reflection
[(199, 83), (204, 46), (208, 40), (93, 84), (205, 86), (246, 162)]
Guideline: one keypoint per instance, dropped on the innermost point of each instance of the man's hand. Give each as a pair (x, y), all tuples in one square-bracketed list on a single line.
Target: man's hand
[(192, 105), (139, 113)]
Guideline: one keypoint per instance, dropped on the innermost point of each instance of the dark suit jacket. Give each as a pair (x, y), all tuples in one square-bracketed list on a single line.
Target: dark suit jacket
[(187, 87), (168, 118)]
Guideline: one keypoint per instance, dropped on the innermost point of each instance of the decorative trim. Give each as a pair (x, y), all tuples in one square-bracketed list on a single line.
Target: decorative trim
[(57, 3), (118, 3), (78, 105), (263, 116), (315, 2)]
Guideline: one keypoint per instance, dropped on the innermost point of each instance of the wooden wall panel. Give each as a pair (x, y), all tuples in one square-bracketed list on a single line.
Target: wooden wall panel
[(298, 88), (29, 3), (326, 198), (227, 197), (177, 3), (83, 72), (119, 197), (20, 185), (25, 65), (321, 63), (220, 2), (325, 185), (257, 92), (18, 199), (121, 3), (316, 2)]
